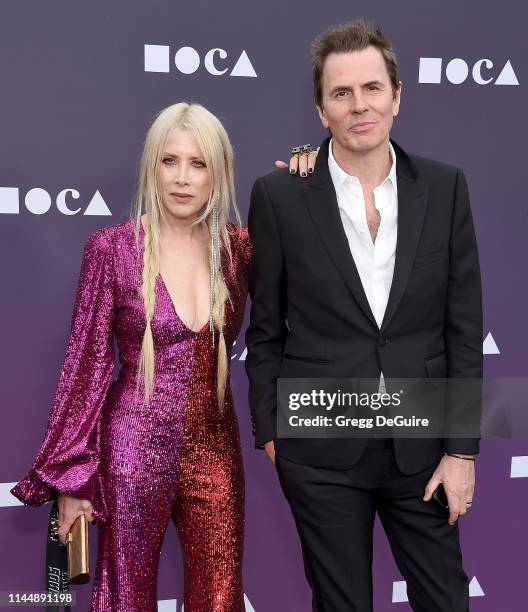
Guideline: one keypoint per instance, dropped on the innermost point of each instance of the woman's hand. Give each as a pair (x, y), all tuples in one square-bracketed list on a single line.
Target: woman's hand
[(69, 509), (304, 163)]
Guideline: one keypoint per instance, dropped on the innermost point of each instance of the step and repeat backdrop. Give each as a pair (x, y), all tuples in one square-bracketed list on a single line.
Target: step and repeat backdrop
[(80, 84)]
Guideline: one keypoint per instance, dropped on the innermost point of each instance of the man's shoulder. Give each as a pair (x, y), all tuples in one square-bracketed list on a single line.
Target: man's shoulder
[(432, 168), (280, 180)]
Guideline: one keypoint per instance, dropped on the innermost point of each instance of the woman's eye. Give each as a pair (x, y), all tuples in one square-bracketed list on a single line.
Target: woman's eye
[(170, 161)]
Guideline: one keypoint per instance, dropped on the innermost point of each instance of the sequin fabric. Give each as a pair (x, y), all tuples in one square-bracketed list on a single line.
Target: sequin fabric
[(177, 458)]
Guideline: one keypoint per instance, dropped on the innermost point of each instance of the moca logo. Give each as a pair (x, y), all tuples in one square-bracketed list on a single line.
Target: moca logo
[(187, 60), (457, 71), (38, 201)]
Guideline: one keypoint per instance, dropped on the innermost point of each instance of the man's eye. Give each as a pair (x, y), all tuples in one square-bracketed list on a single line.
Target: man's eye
[(373, 87), (341, 94)]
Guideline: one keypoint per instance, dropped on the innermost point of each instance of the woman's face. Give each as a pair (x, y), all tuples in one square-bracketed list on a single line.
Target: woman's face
[(183, 178)]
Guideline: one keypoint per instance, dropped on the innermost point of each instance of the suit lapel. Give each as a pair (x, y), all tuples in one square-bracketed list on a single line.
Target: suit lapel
[(412, 202), (321, 201)]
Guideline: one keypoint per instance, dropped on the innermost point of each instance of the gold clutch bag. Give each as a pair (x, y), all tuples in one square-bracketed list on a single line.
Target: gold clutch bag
[(78, 552)]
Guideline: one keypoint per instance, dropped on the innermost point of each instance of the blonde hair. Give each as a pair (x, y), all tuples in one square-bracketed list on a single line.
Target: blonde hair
[(218, 154)]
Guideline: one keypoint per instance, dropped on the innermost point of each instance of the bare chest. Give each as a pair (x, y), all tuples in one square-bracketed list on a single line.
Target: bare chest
[(371, 212)]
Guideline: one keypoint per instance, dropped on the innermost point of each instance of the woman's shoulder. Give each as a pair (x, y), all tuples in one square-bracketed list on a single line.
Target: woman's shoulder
[(236, 230), (240, 240), (107, 238), (238, 234)]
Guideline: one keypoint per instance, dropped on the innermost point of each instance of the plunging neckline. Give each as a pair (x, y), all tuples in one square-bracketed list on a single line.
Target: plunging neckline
[(168, 295), (183, 324)]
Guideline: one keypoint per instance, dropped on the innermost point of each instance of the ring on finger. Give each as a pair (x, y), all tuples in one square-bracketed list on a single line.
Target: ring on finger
[(301, 150)]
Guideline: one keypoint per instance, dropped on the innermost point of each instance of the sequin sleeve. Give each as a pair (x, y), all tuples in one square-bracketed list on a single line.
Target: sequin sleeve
[(68, 460), (247, 248), (244, 257)]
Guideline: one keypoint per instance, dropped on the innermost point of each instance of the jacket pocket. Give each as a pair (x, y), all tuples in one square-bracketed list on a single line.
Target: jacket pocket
[(306, 359), (424, 259), (436, 367)]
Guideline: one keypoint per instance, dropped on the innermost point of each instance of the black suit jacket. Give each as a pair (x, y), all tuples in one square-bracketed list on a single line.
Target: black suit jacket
[(310, 317)]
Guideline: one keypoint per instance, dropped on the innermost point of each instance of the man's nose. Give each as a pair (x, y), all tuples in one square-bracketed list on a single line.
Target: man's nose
[(359, 102)]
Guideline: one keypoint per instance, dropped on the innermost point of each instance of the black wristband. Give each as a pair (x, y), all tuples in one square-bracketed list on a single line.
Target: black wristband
[(459, 457)]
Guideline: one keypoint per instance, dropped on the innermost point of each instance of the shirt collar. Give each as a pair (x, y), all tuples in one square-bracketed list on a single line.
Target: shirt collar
[(339, 176)]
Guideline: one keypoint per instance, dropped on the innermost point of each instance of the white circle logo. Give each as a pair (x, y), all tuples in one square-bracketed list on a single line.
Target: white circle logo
[(38, 201), (457, 71), (187, 60)]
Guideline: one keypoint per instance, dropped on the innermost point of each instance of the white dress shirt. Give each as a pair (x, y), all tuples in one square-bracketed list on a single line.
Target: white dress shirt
[(374, 260)]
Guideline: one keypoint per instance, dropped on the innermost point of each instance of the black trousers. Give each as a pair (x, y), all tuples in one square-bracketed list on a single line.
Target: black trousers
[(334, 512)]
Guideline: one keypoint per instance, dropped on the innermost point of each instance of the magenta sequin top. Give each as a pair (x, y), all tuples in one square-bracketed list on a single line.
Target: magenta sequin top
[(89, 415)]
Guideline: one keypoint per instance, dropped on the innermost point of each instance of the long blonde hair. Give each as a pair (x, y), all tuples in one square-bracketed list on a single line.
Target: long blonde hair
[(218, 154)]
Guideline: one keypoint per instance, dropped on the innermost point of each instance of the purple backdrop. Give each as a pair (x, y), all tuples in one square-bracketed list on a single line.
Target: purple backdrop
[(79, 89)]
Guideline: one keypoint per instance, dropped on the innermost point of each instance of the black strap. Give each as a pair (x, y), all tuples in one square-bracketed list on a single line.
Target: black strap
[(459, 457), (56, 562)]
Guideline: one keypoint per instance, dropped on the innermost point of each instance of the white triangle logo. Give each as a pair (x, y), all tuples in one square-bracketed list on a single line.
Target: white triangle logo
[(249, 607), (6, 497), (507, 76), (243, 68), (97, 206), (519, 467), (475, 590), (399, 591), (490, 347)]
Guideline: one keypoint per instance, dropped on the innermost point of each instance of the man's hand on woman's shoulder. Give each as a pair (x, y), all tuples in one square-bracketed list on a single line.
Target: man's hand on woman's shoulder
[(304, 162)]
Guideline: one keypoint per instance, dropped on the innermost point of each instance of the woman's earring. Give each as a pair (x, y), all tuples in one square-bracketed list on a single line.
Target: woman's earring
[(214, 259)]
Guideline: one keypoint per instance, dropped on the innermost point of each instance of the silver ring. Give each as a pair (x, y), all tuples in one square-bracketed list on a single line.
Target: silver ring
[(302, 150)]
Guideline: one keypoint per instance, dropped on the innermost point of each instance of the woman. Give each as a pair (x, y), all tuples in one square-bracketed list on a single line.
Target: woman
[(161, 441)]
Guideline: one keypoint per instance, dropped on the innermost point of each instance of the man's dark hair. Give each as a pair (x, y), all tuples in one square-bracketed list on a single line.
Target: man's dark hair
[(351, 36)]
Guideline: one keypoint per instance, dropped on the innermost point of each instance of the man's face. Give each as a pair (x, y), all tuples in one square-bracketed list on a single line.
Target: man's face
[(358, 103)]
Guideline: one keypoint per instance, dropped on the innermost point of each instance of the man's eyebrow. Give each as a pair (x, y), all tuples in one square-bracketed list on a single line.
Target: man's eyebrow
[(378, 83), (348, 88), (341, 88)]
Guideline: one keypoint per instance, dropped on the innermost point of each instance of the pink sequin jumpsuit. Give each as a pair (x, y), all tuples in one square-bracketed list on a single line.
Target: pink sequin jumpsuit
[(141, 465)]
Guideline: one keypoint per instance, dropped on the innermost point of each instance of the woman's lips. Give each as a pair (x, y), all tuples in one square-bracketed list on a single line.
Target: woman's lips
[(182, 197)]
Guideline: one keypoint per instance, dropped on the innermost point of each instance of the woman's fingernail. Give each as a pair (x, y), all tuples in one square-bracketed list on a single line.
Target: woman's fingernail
[(310, 170), (303, 173), (292, 171)]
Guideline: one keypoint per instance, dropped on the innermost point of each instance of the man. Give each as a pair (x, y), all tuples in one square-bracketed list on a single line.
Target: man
[(370, 270)]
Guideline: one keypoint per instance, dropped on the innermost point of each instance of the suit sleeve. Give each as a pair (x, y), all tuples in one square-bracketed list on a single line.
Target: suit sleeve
[(463, 326), (267, 330), (68, 460)]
